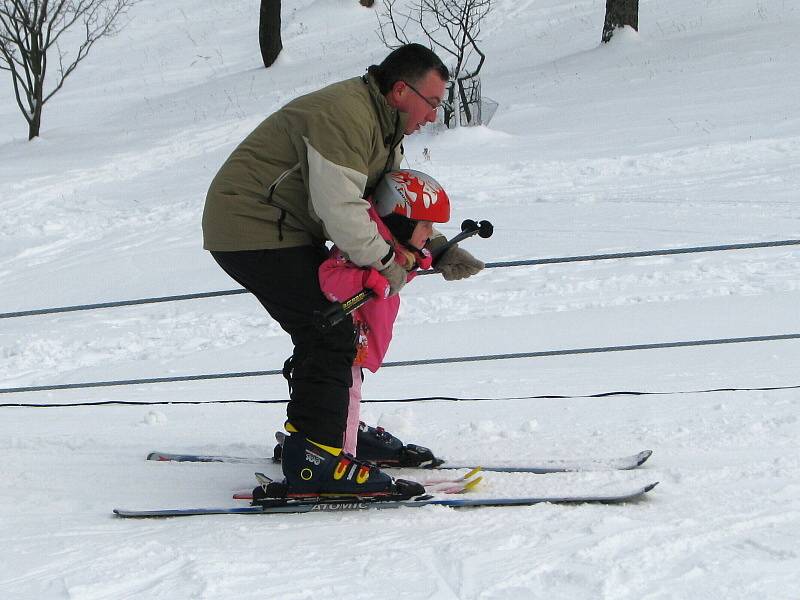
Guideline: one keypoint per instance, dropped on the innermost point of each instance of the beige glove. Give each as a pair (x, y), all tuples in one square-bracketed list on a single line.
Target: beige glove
[(457, 263), (396, 276)]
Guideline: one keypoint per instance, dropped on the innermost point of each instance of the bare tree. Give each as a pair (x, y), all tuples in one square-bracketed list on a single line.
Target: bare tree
[(269, 31), (618, 14), (31, 29), (452, 27)]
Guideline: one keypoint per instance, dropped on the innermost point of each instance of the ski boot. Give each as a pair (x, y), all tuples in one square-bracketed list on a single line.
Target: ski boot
[(381, 448), (314, 471), (378, 446)]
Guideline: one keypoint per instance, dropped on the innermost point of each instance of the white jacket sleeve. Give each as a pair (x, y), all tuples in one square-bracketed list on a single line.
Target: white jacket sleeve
[(336, 197)]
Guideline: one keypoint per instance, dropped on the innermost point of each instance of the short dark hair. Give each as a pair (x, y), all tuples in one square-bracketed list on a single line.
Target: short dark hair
[(410, 63)]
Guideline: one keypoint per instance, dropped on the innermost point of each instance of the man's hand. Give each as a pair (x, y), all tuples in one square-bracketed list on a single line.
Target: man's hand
[(396, 276), (458, 264)]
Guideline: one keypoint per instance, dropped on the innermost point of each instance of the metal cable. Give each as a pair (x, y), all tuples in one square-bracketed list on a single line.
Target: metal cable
[(406, 363), (492, 265), (403, 400)]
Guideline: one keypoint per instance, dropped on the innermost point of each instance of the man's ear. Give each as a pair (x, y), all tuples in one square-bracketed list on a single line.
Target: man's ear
[(399, 88), (395, 93)]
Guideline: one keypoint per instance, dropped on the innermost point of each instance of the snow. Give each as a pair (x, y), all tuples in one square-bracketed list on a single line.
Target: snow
[(683, 134)]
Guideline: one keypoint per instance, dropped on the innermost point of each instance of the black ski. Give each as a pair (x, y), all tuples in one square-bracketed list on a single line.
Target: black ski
[(359, 504), (543, 466)]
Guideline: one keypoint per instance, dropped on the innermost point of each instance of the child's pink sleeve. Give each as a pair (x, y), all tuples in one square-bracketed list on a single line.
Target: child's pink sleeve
[(340, 279)]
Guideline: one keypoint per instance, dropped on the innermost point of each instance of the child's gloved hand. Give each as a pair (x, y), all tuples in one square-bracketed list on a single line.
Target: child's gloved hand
[(424, 259), (376, 282)]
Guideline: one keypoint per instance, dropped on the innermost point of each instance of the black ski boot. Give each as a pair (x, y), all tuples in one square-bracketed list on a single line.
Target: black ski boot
[(311, 471), (381, 448)]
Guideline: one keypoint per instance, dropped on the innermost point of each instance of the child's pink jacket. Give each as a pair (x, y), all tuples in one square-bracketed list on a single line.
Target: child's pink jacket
[(339, 280)]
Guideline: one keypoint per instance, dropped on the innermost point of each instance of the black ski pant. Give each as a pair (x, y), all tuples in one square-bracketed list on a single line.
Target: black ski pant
[(319, 371)]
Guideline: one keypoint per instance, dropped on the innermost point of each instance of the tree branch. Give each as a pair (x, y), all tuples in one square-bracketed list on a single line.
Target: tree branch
[(30, 29)]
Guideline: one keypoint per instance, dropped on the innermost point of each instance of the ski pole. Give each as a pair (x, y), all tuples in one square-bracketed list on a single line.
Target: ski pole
[(333, 315)]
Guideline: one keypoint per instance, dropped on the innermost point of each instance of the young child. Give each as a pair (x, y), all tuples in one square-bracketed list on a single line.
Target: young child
[(404, 206)]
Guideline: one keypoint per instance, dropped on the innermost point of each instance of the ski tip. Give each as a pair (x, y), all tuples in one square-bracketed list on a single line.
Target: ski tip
[(643, 456), (649, 487)]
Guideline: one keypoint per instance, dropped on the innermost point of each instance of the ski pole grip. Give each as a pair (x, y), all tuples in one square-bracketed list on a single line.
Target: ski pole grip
[(336, 312), (468, 228)]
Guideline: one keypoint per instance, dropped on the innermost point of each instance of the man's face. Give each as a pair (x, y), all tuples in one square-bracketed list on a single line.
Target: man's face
[(419, 100)]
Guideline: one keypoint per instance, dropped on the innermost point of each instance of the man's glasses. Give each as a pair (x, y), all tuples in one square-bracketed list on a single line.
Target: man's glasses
[(442, 103)]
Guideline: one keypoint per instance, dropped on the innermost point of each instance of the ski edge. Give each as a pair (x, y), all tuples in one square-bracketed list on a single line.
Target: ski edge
[(624, 463), (358, 506)]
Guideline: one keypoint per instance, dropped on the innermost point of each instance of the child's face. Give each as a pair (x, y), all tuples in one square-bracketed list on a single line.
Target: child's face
[(422, 233)]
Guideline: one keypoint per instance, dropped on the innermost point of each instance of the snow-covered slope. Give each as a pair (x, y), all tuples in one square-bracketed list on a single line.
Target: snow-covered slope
[(686, 133)]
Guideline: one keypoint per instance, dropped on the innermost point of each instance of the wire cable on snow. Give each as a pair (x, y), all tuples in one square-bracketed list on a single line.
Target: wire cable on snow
[(79, 307), (402, 400), (407, 363), (494, 265)]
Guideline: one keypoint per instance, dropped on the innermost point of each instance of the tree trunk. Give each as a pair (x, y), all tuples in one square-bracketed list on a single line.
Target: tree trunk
[(618, 14), (269, 31), (36, 60), (462, 94), (451, 115), (37, 101), (35, 124)]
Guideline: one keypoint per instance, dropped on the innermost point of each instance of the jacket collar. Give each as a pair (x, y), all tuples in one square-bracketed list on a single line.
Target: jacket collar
[(392, 121)]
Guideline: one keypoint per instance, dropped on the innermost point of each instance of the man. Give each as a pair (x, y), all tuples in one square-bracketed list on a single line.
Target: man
[(299, 179)]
